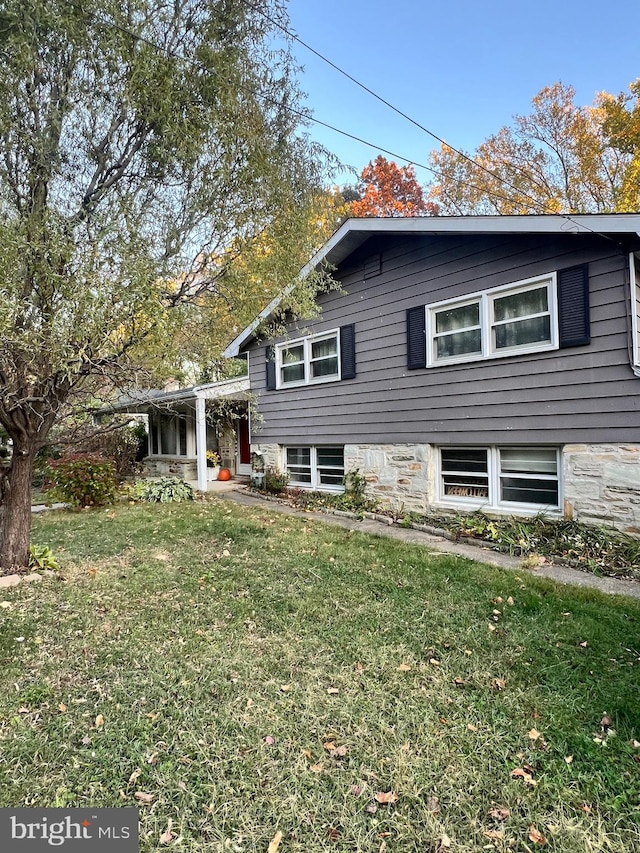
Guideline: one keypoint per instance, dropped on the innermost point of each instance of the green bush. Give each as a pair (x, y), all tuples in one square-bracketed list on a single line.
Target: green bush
[(163, 490), (83, 479), (275, 482), (125, 446), (41, 557)]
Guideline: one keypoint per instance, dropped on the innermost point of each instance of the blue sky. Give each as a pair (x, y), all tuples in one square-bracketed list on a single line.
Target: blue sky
[(461, 68)]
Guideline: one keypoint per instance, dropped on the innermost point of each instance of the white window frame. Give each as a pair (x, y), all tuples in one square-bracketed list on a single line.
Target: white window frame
[(307, 359), (493, 503), (154, 426), (485, 300), (315, 484)]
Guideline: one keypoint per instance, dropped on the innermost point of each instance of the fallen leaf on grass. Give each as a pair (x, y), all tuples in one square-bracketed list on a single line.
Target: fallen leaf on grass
[(444, 842), (536, 836), (99, 721), (275, 843), (317, 768), (568, 758), (498, 684), (269, 740), (144, 797), (471, 727), (386, 797), (534, 734), (433, 804), (499, 813), (527, 778), (356, 790), (338, 752), (332, 691), (62, 707), (434, 661), (135, 775), (167, 836), (494, 834), (459, 682), (333, 834), (404, 667), (285, 688)]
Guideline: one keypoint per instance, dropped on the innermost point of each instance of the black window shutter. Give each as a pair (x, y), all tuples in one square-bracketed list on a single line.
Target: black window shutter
[(270, 360), (416, 338), (573, 306), (348, 351)]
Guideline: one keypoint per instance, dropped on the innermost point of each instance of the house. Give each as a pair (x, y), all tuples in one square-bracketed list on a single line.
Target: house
[(183, 423), (466, 363)]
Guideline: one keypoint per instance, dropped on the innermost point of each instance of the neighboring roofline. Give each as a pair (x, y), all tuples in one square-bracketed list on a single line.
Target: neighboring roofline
[(353, 232), (208, 391)]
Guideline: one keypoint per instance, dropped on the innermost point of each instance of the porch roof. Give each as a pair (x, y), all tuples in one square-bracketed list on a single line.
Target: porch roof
[(146, 399)]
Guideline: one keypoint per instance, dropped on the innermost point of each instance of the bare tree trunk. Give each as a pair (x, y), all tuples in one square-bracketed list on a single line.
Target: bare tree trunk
[(15, 514)]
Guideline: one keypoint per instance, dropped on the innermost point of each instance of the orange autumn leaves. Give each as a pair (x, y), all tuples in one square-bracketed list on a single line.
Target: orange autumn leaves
[(387, 189)]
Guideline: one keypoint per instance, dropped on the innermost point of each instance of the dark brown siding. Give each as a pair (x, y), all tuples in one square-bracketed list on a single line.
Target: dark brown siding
[(583, 394)]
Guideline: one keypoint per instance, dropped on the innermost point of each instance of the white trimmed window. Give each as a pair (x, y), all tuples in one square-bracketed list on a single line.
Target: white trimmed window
[(517, 318), (319, 468), (168, 435), (520, 479), (308, 360)]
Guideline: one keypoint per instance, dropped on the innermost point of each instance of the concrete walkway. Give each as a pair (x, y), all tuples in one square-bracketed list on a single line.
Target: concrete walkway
[(560, 574)]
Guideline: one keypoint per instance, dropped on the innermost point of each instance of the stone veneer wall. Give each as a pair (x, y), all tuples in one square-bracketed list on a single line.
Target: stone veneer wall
[(186, 469), (602, 484), (271, 454), (401, 476)]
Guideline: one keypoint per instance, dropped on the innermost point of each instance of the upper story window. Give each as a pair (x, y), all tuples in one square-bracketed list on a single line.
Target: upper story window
[(517, 318), (307, 360)]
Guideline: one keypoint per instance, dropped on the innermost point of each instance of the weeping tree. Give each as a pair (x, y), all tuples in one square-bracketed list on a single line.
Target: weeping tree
[(141, 141)]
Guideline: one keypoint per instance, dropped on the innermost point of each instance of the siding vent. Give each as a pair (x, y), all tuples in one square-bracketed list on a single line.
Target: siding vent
[(416, 338), (573, 306), (373, 266), (348, 351)]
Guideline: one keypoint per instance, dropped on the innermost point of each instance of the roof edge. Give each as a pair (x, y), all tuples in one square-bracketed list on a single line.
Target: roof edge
[(559, 223)]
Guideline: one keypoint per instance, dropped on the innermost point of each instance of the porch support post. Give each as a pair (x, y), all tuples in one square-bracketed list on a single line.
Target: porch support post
[(201, 443)]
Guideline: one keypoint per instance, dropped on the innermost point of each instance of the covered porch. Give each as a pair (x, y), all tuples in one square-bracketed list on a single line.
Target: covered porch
[(183, 424)]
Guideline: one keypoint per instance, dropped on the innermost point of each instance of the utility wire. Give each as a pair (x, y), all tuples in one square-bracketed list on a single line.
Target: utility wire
[(394, 108), (506, 183), (308, 117)]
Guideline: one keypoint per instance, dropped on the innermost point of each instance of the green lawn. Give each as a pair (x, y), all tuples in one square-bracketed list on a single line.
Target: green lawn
[(239, 674)]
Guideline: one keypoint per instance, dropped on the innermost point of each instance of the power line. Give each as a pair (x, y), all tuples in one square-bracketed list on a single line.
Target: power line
[(310, 118), (393, 107), (307, 117), (430, 133)]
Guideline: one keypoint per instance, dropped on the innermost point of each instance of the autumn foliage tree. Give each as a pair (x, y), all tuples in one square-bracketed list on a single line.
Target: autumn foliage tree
[(386, 189), (561, 158)]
